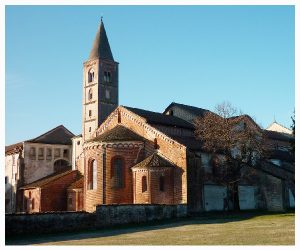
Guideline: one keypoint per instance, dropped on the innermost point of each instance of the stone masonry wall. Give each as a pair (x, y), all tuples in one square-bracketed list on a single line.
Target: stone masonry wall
[(105, 216)]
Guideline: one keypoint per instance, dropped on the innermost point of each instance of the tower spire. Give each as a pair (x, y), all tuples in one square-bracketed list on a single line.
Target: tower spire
[(101, 48)]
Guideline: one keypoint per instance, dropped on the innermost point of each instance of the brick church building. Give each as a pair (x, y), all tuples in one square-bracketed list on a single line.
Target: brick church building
[(133, 156), (128, 155)]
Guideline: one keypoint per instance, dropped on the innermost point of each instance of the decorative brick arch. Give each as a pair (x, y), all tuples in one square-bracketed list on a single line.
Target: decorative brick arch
[(117, 171)]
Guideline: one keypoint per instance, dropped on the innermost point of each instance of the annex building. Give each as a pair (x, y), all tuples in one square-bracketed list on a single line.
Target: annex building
[(128, 155)]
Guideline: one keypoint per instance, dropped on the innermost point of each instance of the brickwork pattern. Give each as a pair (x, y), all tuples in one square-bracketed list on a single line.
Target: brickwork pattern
[(168, 147)]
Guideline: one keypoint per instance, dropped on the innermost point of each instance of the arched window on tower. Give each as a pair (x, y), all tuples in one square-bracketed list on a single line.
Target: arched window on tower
[(117, 172), (92, 174), (90, 96), (91, 75), (144, 184), (107, 76)]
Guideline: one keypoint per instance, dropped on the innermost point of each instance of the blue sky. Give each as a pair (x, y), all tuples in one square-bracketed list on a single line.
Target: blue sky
[(196, 55)]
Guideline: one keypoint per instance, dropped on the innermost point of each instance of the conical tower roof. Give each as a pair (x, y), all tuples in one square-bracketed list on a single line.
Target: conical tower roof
[(101, 48)]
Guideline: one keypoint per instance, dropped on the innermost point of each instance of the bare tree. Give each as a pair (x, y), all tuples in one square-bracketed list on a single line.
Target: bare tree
[(292, 141), (237, 139)]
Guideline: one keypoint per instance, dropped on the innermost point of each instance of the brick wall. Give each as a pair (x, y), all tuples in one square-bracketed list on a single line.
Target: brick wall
[(153, 194), (125, 194), (105, 192), (165, 196), (141, 197), (32, 200), (54, 194), (106, 215), (93, 197), (171, 149)]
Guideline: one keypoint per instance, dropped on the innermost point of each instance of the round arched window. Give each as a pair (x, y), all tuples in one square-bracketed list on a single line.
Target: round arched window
[(117, 172), (91, 75)]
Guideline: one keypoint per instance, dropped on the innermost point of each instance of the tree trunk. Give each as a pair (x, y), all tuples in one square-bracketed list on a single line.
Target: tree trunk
[(235, 193)]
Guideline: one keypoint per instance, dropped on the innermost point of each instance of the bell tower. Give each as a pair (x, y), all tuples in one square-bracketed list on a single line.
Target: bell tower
[(100, 84)]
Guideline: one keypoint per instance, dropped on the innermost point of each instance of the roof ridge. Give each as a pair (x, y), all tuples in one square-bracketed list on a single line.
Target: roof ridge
[(51, 177), (279, 125), (151, 157), (175, 118), (188, 105), (51, 130)]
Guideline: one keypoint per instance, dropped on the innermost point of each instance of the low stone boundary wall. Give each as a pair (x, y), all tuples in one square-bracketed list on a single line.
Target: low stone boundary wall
[(105, 216), (110, 215)]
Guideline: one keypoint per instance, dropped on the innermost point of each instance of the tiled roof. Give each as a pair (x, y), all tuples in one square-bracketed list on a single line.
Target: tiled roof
[(162, 119), (101, 48), (118, 133), (191, 109), (154, 160), (278, 136), (77, 184), (241, 117), (189, 141), (47, 179), (14, 148), (58, 135)]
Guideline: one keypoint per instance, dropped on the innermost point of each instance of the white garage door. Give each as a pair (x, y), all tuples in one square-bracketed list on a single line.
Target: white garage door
[(247, 197), (214, 197)]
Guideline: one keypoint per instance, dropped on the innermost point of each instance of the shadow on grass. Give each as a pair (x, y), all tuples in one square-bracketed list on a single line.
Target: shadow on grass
[(194, 219)]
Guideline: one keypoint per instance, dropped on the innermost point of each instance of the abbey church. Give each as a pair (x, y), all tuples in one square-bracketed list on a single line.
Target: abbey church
[(128, 155)]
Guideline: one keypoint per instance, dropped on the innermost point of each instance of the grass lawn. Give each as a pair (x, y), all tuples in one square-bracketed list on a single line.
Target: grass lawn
[(214, 229)]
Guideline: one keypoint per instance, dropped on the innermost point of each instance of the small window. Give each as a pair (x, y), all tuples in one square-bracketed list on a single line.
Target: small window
[(41, 153), (107, 76), (155, 144), (119, 116), (32, 204), (91, 75), (6, 179), (57, 152), (32, 153), (171, 112), (49, 153), (29, 194), (162, 183), (92, 174), (90, 113), (107, 94), (144, 184), (90, 129), (78, 142), (90, 96), (66, 153)]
